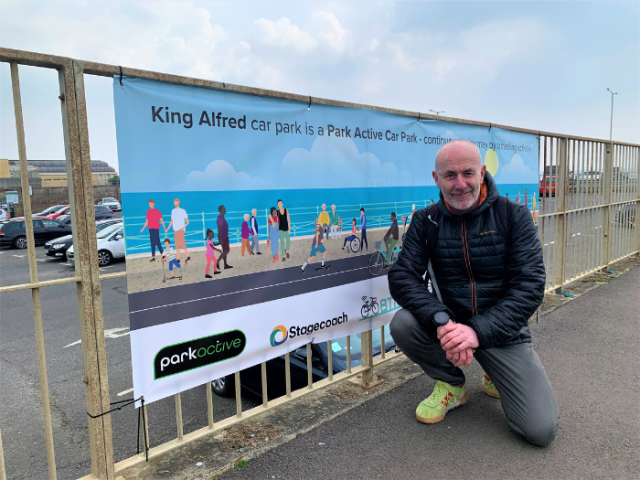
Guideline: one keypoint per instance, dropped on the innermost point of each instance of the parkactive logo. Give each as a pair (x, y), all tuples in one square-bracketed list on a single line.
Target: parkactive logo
[(279, 329), (198, 353)]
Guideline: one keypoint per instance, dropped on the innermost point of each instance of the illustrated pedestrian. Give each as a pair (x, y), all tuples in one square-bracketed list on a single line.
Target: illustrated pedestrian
[(169, 255), (323, 218), (483, 254), (211, 255), (255, 238), (223, 237), (352, 236), (317, 246), (284, 226), (334, 222), (153, 221), (391, 238), (245, 233), (274, 228), (363, 230), (179, 221)]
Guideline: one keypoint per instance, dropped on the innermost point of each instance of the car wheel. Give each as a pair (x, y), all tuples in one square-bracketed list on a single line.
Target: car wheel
[(104, 258), (20, 242), (224, 386)]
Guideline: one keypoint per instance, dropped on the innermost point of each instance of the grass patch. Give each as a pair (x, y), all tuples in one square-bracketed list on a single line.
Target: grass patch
[(240, 464)]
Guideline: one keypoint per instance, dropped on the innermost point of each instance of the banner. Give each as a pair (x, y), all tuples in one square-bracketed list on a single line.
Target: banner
[(255, 225)]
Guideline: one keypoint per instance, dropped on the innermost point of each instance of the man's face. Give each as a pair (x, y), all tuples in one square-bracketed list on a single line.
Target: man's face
[(459, 175), (223, 210), (279, 204), (324, 207), (151, 205), (333, 208), (176, 203)]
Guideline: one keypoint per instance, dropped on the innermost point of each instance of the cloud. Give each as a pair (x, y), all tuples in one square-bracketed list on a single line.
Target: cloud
[(220, 175), (337, 162), (332, 31), (516, 172), (282, 33)]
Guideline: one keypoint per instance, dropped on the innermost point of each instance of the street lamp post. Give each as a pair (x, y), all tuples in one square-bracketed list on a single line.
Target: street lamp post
[(611, 127), (437, 112)]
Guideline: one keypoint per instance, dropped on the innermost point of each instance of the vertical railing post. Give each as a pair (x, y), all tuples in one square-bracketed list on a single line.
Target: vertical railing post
[(635, 218), (76, 141), (560, 245), (366, 340), (606, 204)]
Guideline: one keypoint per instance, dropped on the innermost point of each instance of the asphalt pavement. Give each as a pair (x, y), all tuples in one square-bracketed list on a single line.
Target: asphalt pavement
[(590, 351)]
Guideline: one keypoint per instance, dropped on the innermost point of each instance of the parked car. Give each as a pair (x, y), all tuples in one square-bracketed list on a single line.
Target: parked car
[(549, 188), (13, 233), (251, 379), (110, 245), (50, 210), (112, 203), (4, 214), (102, 212), (64, 219), (59, 246), (66, 210)]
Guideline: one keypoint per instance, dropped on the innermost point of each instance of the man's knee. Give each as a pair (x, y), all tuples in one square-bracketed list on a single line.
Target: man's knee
[(403, 328), (542, 434)]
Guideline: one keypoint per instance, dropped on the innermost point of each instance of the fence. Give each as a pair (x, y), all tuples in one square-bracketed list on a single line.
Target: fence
[(588, 224)]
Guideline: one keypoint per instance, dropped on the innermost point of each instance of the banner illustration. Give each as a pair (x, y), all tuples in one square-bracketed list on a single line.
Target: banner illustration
[(264, 220)]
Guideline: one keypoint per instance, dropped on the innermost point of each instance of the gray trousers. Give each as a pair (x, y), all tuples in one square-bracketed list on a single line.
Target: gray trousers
[(255, 243), (526, 395)]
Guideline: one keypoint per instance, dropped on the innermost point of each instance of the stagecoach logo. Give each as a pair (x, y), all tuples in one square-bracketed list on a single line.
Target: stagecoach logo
[(197, 353), (283, 337)]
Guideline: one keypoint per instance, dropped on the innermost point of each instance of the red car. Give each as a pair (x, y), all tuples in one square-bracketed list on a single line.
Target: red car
[(550, 187), (62, 211)]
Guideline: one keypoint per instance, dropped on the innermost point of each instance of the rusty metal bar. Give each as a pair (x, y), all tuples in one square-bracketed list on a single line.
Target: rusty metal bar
[(367, 357), (33, 273), (287, 372), (75, 130), (348, 354), (330, 361), (263, 379), (3, 472), (207, 387), (236, 377), (179, 424), (383, 354), (309, 367)]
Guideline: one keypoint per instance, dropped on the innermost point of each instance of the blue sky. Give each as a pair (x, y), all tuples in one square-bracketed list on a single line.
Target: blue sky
[(539, 65)]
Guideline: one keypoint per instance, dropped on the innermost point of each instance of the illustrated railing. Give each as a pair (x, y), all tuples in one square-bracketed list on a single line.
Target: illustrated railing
[(587, 225)]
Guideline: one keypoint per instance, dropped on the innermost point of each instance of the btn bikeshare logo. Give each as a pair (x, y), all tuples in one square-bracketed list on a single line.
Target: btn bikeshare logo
[(198, 353), (371, 308), (297, 331), (282, 330)]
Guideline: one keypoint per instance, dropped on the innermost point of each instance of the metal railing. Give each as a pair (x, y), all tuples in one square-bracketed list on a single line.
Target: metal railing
[(589, 225)]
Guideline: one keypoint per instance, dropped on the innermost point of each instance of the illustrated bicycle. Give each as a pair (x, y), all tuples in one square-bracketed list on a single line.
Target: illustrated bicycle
[(378, 260), (369, 306)]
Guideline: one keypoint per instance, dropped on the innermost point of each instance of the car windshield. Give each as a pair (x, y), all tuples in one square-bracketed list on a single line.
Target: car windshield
[(60, 210), (104, 233), (102, 226), (109, 199), (339, 346)]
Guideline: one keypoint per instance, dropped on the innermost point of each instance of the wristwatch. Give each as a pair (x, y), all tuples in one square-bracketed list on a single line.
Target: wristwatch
[(441, 318)]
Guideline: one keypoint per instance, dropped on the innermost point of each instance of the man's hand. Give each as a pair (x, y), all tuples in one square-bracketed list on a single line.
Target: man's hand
[(456, 338), (463, 358)]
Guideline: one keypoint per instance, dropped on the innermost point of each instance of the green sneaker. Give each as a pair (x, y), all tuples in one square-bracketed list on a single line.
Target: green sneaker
[(444, 398), (489, 387)]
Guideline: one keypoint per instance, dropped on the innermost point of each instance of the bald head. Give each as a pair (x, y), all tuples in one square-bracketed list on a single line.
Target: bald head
[(459, 173), (456, 149)]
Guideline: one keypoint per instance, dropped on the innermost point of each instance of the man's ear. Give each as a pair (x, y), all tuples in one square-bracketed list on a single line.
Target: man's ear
[(435, 177), (483, 170)]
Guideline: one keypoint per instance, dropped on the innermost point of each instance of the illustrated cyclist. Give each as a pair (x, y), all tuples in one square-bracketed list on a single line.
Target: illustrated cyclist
[(391, 238)]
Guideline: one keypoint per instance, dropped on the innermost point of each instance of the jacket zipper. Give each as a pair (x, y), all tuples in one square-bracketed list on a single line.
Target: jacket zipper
[(467, 261)]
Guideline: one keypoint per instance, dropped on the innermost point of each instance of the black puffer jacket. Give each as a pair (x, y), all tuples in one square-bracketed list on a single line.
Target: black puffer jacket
[(488, 282)]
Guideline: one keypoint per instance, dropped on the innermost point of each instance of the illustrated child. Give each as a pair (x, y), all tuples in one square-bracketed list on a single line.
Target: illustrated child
[(352, 236), (316, 246), (274, 227), (211, 255), (171, 257)]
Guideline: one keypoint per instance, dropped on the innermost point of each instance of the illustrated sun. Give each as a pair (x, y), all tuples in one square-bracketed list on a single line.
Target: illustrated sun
[(491, 161)]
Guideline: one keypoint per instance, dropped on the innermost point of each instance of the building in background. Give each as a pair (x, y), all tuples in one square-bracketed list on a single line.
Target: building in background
[(50, 173)]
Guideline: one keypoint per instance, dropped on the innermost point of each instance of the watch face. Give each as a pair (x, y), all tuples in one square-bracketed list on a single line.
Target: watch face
[(441, 318)]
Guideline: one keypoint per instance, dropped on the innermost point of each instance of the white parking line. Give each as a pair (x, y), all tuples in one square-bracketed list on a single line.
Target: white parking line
[(20, 256), (110, 333), (125, 392)]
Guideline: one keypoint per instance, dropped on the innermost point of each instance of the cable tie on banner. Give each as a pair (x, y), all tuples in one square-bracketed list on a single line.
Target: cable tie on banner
[(309, 106), (121, 404), (223, 85), (490, 127), (417, 121), (120, 76)]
